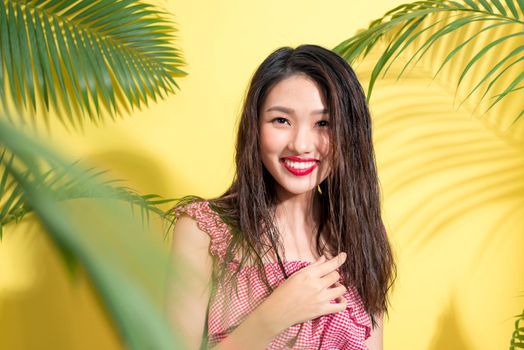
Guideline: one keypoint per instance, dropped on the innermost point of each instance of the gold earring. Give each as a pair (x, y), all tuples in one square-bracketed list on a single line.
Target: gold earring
[(319, 190)]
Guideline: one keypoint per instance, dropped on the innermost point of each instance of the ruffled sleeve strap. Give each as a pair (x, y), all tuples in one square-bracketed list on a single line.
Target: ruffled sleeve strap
[(358, 313), (210, 222)]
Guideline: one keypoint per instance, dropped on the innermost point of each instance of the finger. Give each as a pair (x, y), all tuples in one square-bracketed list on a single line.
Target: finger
[(335, 293), (336, 284), (330, 265), (328, 255), (320, 260), (340, 298), (332, 308), (330, 279)]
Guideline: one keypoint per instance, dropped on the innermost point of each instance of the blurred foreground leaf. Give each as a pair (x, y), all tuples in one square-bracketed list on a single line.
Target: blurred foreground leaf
[(124, 261)]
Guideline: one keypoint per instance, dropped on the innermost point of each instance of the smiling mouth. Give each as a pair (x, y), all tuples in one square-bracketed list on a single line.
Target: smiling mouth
[(299, 168)]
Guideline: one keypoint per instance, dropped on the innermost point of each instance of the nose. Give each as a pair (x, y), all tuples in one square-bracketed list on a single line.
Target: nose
[(302, 140)]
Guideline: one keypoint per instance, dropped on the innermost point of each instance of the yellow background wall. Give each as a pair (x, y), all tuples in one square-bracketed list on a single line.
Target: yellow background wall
[(453, 184)]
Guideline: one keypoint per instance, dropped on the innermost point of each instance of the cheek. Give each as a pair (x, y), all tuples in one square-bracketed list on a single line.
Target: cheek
[(265, 143), (272, 141), (324, 149), (324, 145)]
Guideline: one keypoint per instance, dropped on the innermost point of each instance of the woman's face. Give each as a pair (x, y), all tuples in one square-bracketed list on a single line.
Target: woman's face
[(294, 136)]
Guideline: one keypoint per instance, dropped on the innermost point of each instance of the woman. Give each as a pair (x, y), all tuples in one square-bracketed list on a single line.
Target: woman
[(294, 255)]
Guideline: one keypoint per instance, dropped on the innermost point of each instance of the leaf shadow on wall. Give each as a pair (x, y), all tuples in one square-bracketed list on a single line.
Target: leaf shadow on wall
[(138, 168), (439, 167), (449, 334)]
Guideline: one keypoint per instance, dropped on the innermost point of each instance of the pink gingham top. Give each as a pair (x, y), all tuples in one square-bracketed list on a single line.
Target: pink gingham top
[(343, 330)]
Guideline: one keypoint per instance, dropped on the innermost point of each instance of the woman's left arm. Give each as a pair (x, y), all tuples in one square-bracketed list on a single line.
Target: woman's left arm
[(375, 341)]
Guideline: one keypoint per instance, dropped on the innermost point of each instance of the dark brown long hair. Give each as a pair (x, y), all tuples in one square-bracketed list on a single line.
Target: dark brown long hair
[(350, 219)]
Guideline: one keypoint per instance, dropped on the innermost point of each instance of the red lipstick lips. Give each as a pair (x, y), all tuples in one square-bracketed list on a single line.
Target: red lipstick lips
[(293, 169)]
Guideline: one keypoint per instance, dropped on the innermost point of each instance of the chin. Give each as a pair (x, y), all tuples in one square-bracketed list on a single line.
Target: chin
[(295, 189)]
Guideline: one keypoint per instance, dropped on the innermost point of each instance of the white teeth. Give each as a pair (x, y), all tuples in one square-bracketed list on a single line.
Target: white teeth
[(299, 165)]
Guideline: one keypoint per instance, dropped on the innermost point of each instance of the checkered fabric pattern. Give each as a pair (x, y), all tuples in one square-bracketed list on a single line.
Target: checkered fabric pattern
[(343, 330)]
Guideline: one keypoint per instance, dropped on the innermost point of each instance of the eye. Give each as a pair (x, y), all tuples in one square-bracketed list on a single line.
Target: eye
[(323, 123), (280, 120)]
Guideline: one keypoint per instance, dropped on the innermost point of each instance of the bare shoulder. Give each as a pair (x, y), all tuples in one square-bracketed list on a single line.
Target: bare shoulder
[(187, 234), (190, 249)]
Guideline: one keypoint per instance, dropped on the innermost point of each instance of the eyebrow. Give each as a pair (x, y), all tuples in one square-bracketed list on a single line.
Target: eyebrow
[(291, 111)]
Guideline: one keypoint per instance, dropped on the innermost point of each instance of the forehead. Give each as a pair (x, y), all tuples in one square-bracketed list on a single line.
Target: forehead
[(296, 92)]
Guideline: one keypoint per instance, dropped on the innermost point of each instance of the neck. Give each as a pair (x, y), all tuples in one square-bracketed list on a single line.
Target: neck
[(298, 213)]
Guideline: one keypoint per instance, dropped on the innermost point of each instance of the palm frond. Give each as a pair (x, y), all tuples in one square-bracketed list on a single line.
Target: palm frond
[(125, 264), (14, 203), (12, 206), (517, 339), (85, 58), (416, 27)]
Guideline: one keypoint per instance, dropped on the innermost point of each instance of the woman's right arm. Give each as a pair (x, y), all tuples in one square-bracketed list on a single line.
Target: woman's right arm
[(189, 292), (189, 286), (304, 296)]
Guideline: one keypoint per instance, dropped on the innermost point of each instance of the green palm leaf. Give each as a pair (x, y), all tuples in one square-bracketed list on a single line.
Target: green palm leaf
[(83, 57), (517, 340), (416, 27), (14, 204), (126, 265)]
